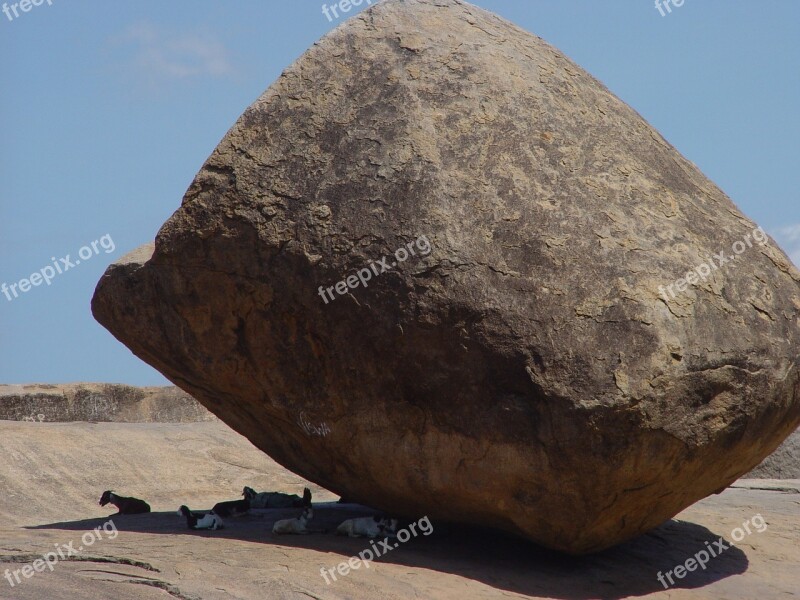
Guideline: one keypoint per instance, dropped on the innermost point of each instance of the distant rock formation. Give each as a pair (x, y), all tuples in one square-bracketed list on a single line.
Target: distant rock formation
[(530, 366), (784, 463), (99, 402)]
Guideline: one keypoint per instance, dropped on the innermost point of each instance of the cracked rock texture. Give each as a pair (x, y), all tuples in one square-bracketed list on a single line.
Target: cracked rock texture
[(526, 373)]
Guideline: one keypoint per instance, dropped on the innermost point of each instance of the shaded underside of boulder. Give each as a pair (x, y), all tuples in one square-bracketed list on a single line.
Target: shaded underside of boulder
[(528, 373)]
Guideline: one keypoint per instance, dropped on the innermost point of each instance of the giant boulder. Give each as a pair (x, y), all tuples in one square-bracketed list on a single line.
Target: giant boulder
[(532, 370)]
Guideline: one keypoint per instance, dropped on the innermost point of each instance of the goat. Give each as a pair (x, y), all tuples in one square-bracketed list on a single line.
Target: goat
[(232, 508), (276, 499), (297, 526), (200, 520), (370, 527), (125, 506), (390, 527)]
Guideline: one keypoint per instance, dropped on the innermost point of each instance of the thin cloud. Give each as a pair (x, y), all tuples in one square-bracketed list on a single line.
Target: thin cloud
[(792, 233), (159, 55), (790, 239)]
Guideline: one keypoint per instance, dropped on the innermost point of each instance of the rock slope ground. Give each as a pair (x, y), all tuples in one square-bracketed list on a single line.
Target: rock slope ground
[(784, 463), (52, 474)]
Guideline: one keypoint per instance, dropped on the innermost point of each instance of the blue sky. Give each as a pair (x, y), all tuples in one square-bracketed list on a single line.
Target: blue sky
[(108, 109)]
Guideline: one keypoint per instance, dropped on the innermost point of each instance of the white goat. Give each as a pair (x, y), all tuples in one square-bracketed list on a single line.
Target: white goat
[(390, 527), (370, 527), (201, 521), (296, 526)]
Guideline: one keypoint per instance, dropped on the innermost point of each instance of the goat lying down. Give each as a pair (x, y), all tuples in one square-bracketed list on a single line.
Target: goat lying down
[(296, 526), (125, 506), (276, 499), (232, 508), (201, 521), (370, 527)]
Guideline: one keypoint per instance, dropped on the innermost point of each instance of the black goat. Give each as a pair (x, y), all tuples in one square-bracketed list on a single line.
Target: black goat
[(232, 508), (125, 506)]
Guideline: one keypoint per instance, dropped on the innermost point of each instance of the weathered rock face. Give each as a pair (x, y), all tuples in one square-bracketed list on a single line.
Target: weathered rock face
[(526, 372)]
